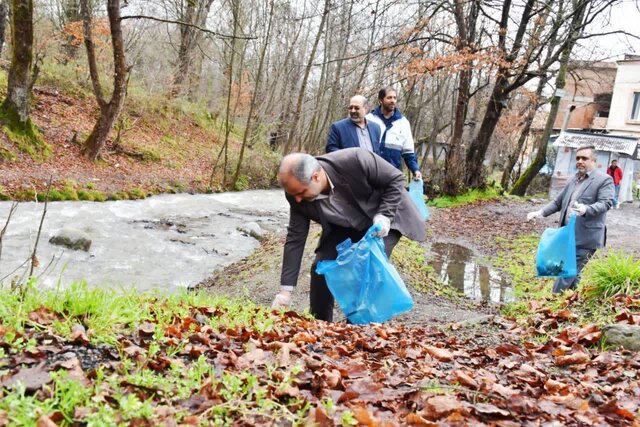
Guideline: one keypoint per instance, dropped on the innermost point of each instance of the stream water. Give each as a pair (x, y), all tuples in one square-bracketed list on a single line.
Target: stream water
[(164, 242)]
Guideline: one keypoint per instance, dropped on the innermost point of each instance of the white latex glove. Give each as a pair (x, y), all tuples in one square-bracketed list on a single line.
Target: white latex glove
[(384, 223), (417, 176), (282, 300), (534, 215), (579, 208)]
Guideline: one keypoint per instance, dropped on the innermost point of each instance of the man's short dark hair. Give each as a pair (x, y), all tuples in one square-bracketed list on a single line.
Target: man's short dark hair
[(588, 147), (614, 161), (384, 91)]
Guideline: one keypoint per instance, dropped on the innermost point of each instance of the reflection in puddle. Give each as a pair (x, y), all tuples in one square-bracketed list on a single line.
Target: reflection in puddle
[(457, 266)]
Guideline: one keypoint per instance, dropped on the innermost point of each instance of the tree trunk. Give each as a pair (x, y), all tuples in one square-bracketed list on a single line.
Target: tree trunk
[(454, 162), (196, 13), (3, 23), (235, 10), (100, 132), (454, 165), (109, 111), (521, 185), (19, 81), (513, 157), (254, 96), (298, 110), (474, 176)]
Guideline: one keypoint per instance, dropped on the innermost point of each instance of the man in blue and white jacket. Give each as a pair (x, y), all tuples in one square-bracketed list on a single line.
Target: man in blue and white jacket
[(396, 142)]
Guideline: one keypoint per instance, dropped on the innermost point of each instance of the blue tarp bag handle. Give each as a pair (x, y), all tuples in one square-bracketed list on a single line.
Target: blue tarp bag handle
[(416, 191), (556, 255)]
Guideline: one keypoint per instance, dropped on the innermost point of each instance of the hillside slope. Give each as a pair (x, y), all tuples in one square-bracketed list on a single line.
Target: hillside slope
[(158, 145)]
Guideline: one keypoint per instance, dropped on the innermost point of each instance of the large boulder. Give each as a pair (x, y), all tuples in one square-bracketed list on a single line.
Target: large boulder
[(622, 335), (72, 238)]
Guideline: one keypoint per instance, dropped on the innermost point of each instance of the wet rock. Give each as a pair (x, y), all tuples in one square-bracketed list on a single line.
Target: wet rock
[(625, 336), (253, 230), (72, 239)]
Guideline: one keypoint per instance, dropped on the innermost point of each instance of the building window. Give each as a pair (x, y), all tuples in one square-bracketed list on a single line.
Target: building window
[(635, 107)]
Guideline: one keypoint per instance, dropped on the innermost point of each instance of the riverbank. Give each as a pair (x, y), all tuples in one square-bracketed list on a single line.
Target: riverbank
[(487, 228), (93, 356)]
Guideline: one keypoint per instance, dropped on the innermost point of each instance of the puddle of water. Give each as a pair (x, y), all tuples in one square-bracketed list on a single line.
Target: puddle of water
[(457, 266)]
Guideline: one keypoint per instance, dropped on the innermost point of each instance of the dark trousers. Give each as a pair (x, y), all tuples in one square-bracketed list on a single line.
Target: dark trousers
[(320, 299), (564, 283)]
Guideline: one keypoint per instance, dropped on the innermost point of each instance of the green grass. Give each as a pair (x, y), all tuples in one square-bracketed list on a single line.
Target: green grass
[(470, 196), (608, 274), (107, 399), (517, 258), (7, 155), (137, 193), (604, 276), (107, 312)]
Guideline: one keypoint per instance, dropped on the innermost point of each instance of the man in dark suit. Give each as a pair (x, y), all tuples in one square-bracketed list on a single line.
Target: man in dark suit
[(589, 195), (355, 130), (345, 192)]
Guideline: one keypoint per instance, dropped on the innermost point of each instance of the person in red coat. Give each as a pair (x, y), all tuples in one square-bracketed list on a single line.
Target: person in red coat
[(615, 172)]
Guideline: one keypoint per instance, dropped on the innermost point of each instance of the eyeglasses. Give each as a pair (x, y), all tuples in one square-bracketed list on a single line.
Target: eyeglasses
[(583, 158)]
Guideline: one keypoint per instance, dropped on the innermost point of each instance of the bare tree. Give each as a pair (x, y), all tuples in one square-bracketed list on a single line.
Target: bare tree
[(254, 96), (466, 23), (305, 79), (193, 12), (109, 110), (576, 31), (517, 65)]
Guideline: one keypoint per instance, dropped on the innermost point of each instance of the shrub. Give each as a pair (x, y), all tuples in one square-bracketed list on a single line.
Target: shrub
[(608, 274), (137, 193)]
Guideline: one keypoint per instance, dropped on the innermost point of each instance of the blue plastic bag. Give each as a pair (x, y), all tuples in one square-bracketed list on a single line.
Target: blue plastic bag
[(557, 251), (417, 195), (363, 282)]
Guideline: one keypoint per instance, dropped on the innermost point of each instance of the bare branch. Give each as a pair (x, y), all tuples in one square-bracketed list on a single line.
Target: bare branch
[(44, 213), (14, 206), (386, 47), (186, 24)]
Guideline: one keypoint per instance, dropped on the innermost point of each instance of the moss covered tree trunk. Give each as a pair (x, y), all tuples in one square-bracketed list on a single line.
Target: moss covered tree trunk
[(109, 111), (16, 104)]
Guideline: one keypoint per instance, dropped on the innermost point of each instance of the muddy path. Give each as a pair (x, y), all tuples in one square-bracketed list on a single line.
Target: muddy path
[(473, 226)]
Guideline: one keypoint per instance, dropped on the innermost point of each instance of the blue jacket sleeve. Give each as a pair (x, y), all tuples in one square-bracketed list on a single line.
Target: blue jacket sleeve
[(411, 161), (333, 140)]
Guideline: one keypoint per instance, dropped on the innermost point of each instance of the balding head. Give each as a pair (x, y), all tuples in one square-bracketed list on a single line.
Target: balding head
[(358, 108), (301, 176), (299, 166)]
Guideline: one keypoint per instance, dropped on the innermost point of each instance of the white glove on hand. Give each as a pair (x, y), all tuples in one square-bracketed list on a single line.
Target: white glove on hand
[(533, 215), (417, 176), (282, 300), (579, 208), (384, 223)]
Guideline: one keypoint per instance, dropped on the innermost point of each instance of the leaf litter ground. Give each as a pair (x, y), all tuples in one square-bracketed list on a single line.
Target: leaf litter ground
[(195, 370), (310, 372)]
